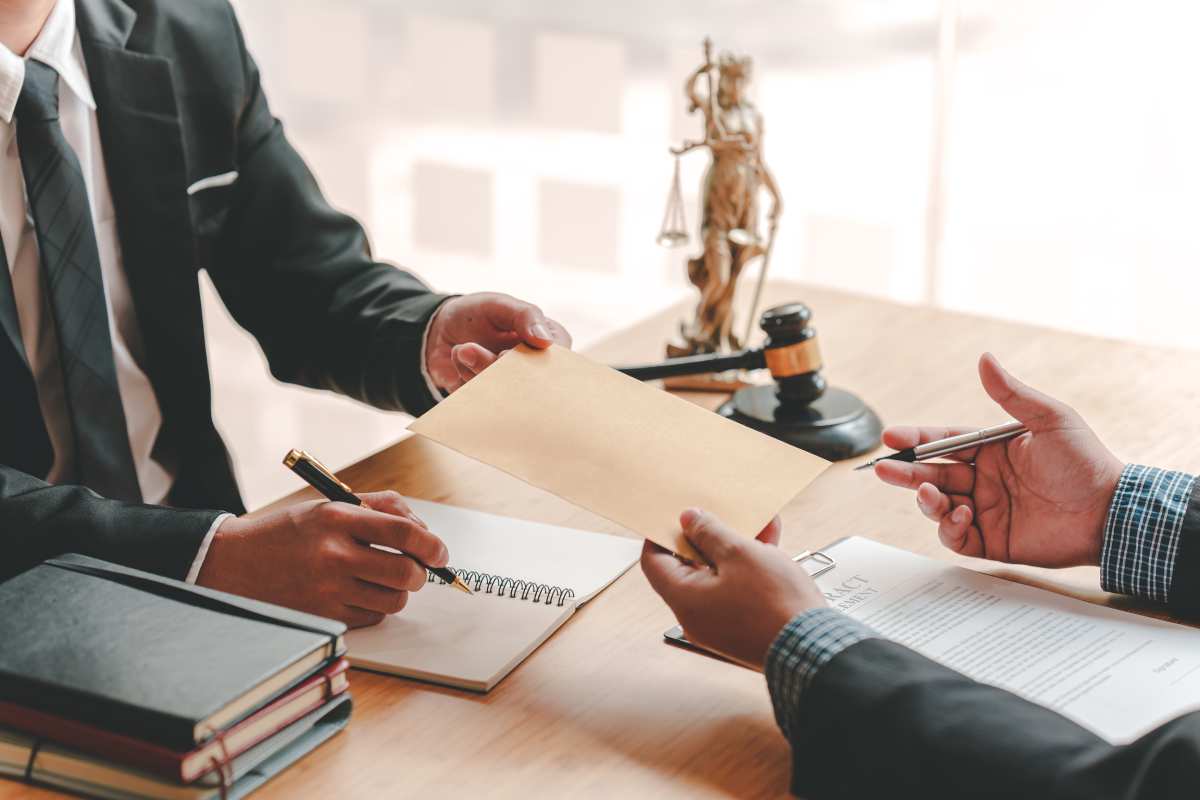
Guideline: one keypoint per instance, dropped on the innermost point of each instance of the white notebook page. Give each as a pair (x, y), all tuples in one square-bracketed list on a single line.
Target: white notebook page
[(472, 642), (446, 637), (1116, 673), (582, 561)]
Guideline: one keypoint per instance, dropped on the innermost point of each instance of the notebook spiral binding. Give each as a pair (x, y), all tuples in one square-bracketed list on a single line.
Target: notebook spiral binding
[(513, 587)]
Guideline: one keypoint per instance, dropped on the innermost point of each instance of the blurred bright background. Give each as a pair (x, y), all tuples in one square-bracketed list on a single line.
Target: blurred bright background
[(1035, 160)]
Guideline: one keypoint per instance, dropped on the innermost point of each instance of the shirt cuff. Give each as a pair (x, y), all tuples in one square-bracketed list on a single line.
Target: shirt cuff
[(202, 553), (805, 645), (435, 391), (1143, 530)]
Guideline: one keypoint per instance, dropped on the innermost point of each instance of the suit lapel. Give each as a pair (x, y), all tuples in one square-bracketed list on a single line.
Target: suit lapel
[(104, 27), (140, 130)]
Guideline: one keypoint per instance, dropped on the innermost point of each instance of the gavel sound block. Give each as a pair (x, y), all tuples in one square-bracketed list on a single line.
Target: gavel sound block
[(798, 408)]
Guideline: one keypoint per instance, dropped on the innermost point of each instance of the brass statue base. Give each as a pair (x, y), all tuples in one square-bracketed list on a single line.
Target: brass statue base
[(725, 382)]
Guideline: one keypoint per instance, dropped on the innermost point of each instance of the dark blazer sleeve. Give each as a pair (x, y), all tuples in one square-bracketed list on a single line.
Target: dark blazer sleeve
[(880, 720), (299, 275), (1183, 598), (39, 521)]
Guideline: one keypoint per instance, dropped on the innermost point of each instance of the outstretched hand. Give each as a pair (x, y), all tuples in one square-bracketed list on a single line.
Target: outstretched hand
[(468, 333), (1040, 498)]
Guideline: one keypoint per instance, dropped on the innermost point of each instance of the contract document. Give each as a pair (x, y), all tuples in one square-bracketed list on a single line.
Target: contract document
[(1116, 673)]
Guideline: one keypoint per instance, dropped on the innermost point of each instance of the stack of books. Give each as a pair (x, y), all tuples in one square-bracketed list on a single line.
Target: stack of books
[(119, 683)]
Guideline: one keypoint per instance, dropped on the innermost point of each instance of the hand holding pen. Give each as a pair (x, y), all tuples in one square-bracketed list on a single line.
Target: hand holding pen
[(317, 556), (952, 444), (324, 481), (1034, 496)]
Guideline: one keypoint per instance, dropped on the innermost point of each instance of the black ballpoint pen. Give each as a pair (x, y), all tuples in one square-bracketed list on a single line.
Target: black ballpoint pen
[(318, 476)]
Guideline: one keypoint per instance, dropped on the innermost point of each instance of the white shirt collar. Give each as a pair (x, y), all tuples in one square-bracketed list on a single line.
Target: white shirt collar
[(56, 46)]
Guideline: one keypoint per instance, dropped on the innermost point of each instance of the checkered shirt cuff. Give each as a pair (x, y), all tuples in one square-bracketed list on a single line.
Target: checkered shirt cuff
[(804, 645), (1142, 532)]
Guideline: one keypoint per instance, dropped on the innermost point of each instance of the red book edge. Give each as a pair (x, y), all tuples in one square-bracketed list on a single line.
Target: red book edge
[(172, 763)]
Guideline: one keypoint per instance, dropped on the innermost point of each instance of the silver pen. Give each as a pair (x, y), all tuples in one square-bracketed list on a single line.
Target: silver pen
[(944, 447)]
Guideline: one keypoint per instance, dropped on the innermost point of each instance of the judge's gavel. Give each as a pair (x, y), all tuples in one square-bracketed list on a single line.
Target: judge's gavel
[(799, 408), (790, 353)]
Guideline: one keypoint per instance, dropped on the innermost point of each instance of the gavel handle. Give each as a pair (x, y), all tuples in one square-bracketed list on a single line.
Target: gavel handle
[(697, 365)]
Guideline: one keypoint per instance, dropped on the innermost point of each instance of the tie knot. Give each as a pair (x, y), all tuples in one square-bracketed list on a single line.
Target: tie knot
[(38, 101)]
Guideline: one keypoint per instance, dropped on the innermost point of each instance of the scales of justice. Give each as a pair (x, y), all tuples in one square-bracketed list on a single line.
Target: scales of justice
[(796, 406)]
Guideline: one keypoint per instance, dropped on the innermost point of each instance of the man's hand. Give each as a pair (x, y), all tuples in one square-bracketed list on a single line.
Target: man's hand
[(316, 557), (737, 606), (468, 333), (1041, 498)]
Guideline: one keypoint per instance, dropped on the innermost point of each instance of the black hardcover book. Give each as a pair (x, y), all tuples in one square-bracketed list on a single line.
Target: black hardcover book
[(148, 656)]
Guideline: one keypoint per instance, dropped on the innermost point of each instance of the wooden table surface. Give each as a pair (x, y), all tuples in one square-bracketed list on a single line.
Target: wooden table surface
[(604, 708)]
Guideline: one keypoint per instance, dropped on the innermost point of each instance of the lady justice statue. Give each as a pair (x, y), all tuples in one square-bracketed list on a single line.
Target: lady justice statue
[(733, 131)]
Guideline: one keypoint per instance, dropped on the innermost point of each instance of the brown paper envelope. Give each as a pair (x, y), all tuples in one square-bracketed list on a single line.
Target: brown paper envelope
[(622, 449)]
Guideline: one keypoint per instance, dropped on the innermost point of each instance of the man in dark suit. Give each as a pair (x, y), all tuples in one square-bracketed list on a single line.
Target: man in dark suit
[(136, 149), (871, 718)]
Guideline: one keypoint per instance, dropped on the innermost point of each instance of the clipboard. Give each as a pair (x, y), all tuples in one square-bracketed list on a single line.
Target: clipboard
[(821, 563)]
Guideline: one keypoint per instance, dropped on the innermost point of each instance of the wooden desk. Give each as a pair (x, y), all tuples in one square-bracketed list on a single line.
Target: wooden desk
[(604, 709)]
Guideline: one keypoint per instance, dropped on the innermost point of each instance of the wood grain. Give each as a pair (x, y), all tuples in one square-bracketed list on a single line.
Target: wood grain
[(604, 708)]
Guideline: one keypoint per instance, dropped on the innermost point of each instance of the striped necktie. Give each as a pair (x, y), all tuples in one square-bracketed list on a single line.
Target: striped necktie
[(58, 197)]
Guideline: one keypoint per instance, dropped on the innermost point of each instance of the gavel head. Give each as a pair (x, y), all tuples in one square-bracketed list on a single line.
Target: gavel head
[(791, 353)]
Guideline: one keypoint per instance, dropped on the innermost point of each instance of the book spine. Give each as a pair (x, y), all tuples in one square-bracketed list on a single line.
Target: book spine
[(167, 730), (153, 758), (122, 749)]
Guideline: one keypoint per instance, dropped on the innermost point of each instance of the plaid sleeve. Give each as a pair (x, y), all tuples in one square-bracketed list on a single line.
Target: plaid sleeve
[(1143, 531), (803, 646)]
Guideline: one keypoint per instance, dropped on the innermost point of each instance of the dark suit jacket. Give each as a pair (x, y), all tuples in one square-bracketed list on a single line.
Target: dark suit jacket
[(178, 100), (879, 720)]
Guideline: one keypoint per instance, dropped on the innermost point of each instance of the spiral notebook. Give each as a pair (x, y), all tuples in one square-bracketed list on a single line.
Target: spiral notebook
[(528, 579)]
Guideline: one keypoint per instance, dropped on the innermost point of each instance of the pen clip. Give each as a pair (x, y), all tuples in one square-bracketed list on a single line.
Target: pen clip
[(295, 456)]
